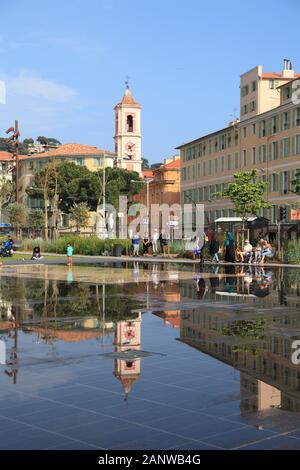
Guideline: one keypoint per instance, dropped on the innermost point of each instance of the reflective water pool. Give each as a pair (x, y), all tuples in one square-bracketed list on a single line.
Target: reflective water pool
[(149, 357)]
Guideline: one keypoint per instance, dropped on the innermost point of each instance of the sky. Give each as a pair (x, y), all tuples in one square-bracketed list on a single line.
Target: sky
[(65, 62)]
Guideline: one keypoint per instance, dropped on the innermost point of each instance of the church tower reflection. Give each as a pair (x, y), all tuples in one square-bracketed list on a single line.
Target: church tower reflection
[(128, 337)]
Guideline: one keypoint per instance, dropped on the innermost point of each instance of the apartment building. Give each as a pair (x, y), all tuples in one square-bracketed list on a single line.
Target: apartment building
[(267, 137), (84, 155)]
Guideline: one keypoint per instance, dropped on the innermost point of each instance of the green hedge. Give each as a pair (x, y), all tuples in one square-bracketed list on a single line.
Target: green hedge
[(82, 246), (292, 252)]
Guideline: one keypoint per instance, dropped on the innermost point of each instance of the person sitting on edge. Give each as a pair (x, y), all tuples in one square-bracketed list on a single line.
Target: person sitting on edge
[(36, 253)]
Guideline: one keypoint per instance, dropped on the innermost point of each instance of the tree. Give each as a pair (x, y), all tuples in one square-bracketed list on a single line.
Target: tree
[(28, 141), (36, 219), (119, 183), (17, 214), (42, 140), (77, 184), (79, 213), (7, 192), (45, 185), (246, 195), (296, 182), (145, 164)]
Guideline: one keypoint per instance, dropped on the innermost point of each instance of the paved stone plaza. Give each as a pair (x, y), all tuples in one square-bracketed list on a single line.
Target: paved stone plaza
[(149, 357)]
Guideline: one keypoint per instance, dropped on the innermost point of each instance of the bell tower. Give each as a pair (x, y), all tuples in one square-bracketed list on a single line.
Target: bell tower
[(128, 133)]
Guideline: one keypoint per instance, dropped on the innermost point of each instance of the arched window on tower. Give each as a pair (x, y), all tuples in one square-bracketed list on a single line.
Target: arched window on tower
[(129, 123)]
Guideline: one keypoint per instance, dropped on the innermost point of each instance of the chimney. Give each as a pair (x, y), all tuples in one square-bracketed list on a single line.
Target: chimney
[(287, 71)]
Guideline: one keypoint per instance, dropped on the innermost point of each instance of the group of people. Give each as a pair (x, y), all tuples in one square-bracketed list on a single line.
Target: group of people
[(158, 242), (248, 254)]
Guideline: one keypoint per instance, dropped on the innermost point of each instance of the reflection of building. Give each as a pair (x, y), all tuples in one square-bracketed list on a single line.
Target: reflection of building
[(263, 356), (128, 337)]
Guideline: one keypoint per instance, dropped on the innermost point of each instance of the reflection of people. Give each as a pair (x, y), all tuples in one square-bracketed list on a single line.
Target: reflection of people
[(69, 254), (200, 286), (70, 275), (229, 248)]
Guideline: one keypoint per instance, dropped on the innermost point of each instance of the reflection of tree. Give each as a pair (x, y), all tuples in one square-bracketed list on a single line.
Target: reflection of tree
[(252, 329), (53, 302)]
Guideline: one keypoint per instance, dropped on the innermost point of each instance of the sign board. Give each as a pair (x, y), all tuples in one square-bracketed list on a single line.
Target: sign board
[(295, 214), (172, 223)]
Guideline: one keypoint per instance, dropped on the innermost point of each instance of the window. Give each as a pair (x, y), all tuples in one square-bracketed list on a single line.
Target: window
[(204, 169), (209, 147), (253, 86), (183, 174), (244, 157), (222, 164), (209, 167), (254, 155), (262, 128), (285, 147), (236, 138), (273, 84), (79, 161), (199, 170), (252, 105), (98, 161), (274, 125), (284, 182), (285, 121), (286, 93), (273, 151), (297, 117), (245, 90), (129, 123), (236, 160), (229, 140), (229, 162), (297, 144), (262, 153), (244, 132), (193, 172), (273, 182), (216, 166), (253, 129)]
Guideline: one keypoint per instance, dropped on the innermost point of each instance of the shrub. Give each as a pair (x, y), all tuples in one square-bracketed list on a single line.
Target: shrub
[(292, 252), (82, 246)]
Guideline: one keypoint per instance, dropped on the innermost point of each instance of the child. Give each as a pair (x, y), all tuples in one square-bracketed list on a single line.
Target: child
[(69, 254)]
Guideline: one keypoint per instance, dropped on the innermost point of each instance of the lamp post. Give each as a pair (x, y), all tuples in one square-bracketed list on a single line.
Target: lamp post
[(14, 138)]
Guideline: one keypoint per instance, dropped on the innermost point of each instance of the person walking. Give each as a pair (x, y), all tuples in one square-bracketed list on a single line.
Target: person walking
[(229, 248), (70, 254), (136, 243), (214, 248)]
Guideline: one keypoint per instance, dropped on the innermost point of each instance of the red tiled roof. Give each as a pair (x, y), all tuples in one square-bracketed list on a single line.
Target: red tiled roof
[(69, 150), (4, 156), (128, 99), (173, 164), (277, 75), (147, 173)]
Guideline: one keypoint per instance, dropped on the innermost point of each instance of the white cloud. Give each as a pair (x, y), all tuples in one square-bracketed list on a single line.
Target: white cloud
[(26, 83), (40, 104)]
